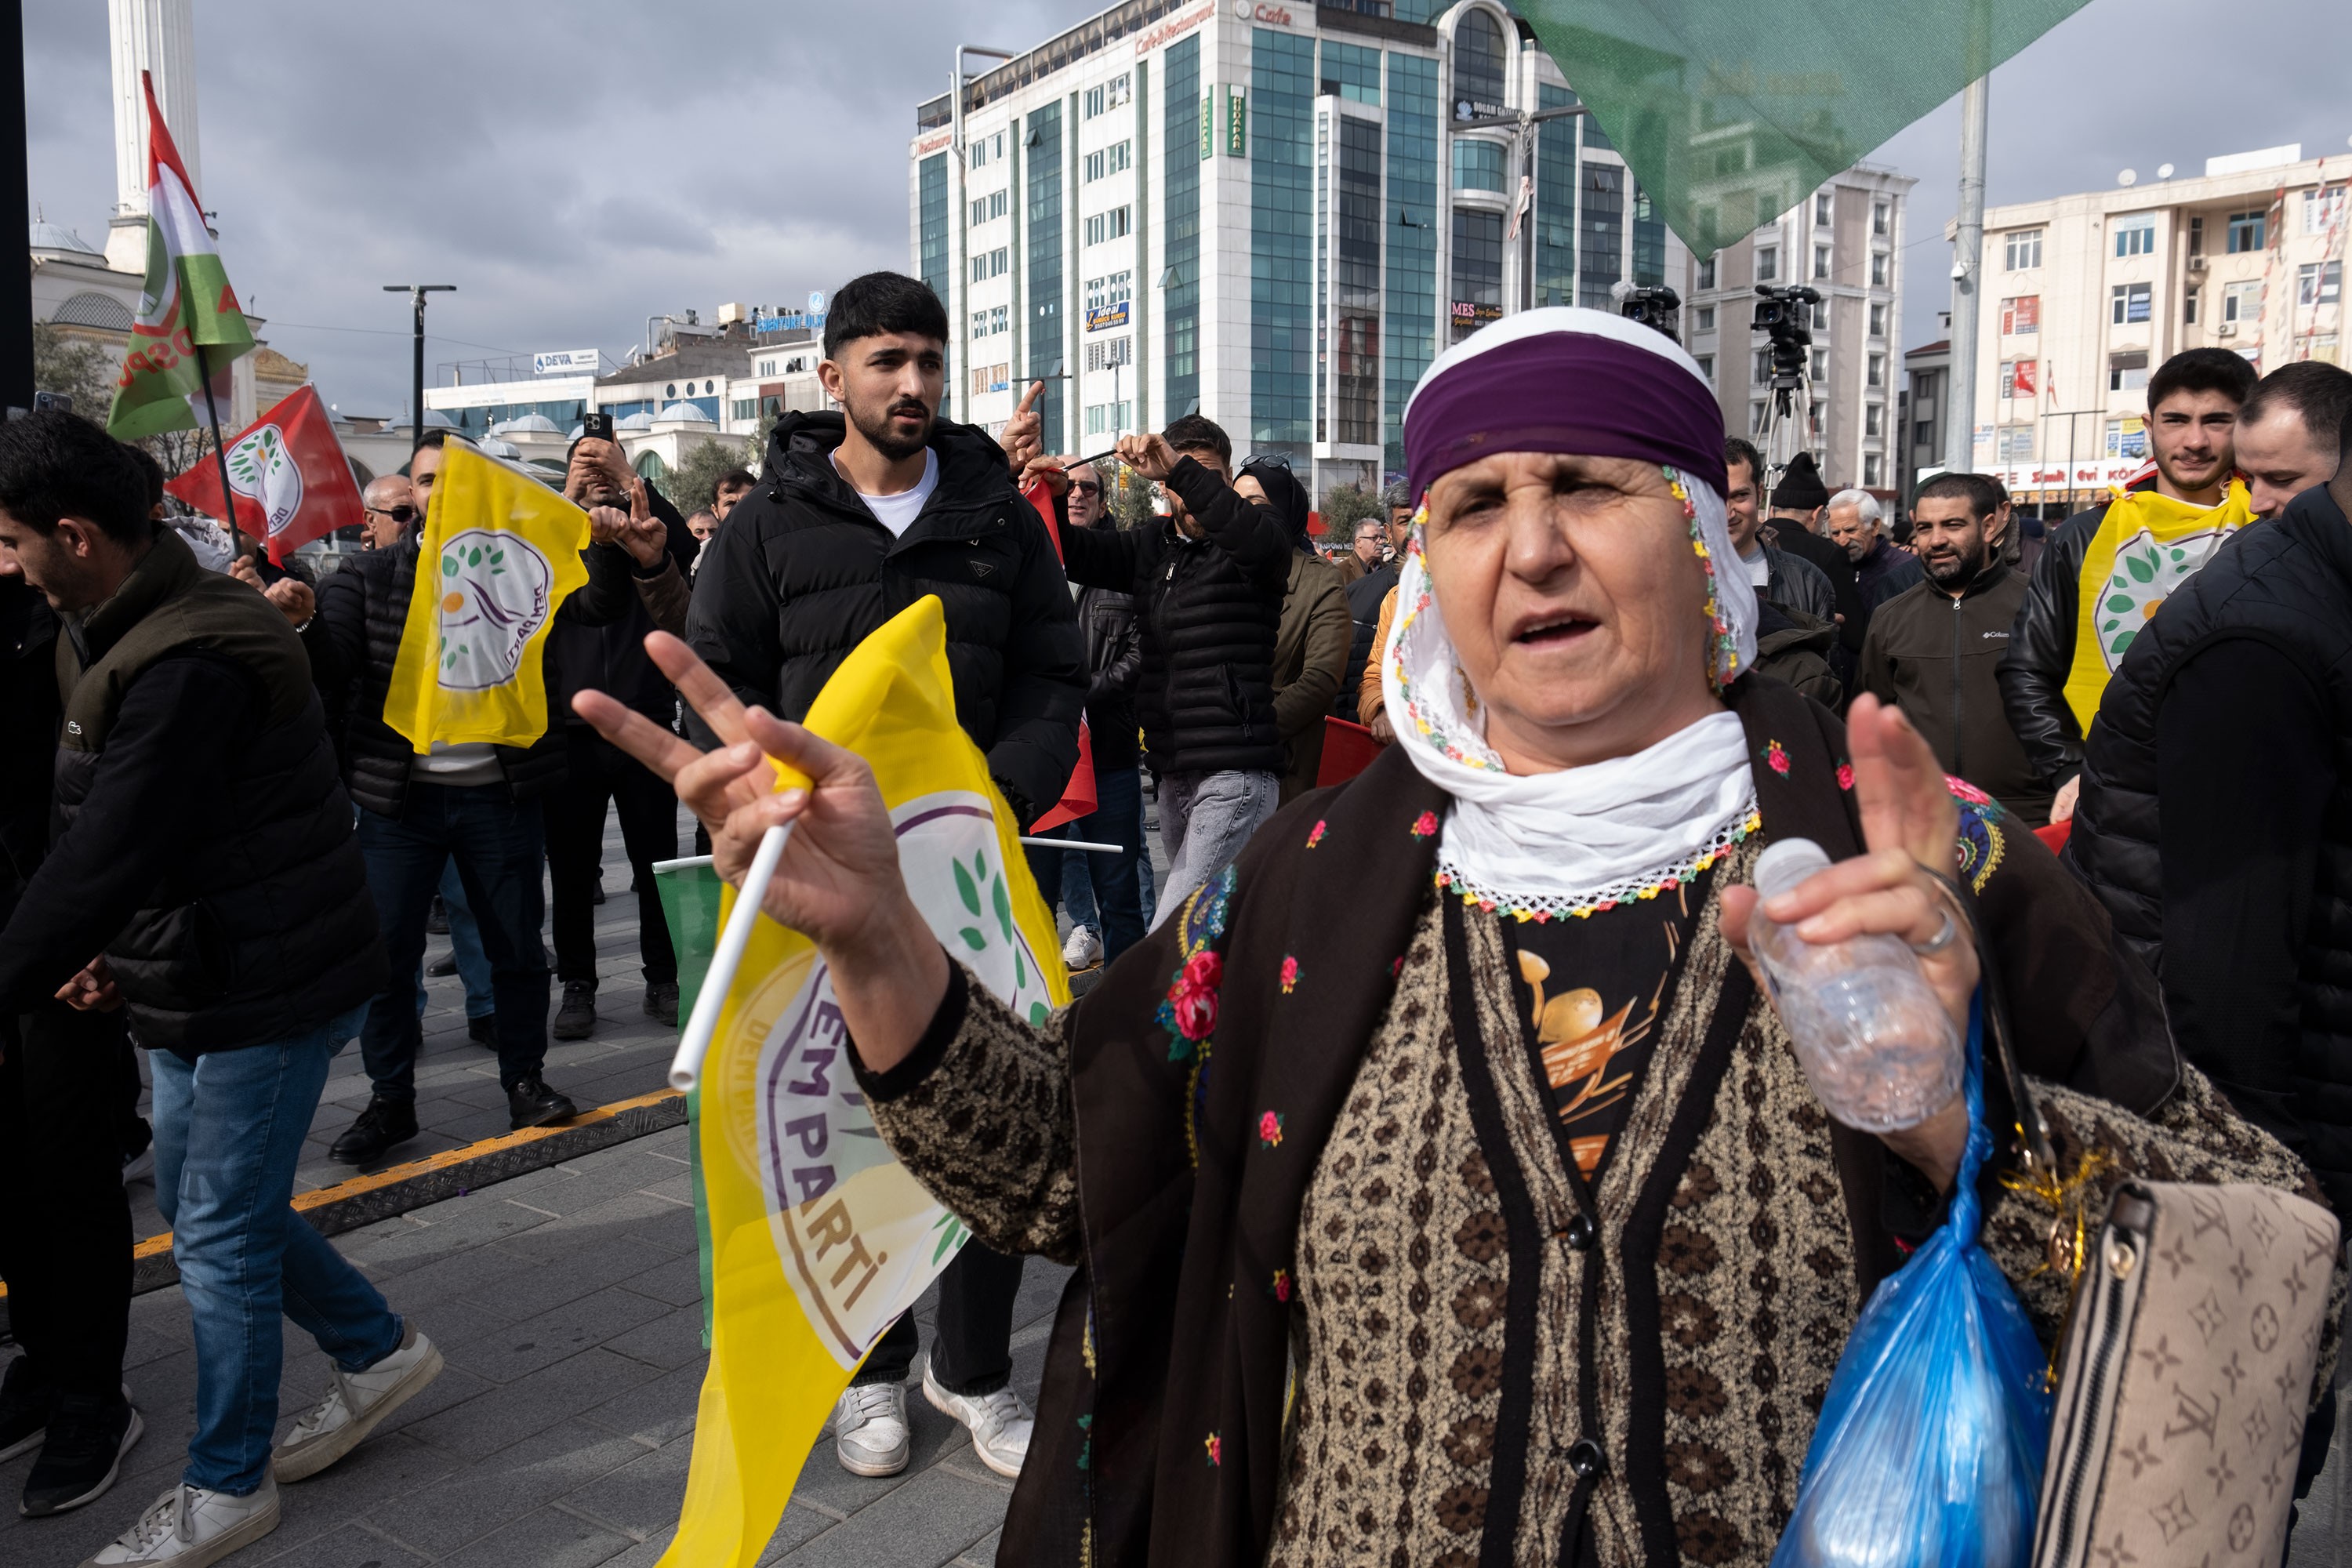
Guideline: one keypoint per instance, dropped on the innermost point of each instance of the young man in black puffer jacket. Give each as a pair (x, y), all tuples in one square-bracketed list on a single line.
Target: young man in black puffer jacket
[(202, 875), (1208, 585), (858, 515)]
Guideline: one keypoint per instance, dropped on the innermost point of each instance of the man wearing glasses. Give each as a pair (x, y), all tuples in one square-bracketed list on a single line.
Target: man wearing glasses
[(391, 509)]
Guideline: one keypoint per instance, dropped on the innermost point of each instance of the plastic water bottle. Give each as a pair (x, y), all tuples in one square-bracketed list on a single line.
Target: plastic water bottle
[(1871, 1034)]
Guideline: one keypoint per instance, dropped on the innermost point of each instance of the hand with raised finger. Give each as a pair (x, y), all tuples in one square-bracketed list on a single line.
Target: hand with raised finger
[(645, 536), (1148, 455), (1021, 436)]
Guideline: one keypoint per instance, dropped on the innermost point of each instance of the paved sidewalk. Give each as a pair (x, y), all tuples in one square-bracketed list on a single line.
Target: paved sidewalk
[(567, 1303)]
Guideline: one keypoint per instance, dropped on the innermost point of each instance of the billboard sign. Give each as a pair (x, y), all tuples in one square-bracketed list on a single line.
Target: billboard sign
[(568, 361), (1102, 318)]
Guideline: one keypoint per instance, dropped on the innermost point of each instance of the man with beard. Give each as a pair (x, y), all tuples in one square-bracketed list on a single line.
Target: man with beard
[(611, 658), (862, 511), (1880, 571), (1933, 649), (2121, 558)]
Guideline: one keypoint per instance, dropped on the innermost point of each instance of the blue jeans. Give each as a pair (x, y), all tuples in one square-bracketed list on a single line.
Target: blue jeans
[(465, 945), (228, 1131), (1204, 820), (1106, 891), (499, 850)]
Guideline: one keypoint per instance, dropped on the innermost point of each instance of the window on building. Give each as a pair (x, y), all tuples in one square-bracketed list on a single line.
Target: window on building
[(1820, 365), (2126, 373), (1102, 99), (1881, 266), (2127, 437), (670, 390), (2135, 234), (2018, 378), (2324, 349), (976, 155), (1477, 269), (1104, 162), (1706, 318), (1111, 289), (1823, 207), (1874, 469), (1706, 367), (2323, 209), (1878, 319), (2128, 303), (1768, 263), (1756, 416), (2021, 250), (2242, 302), (1874, 419), (1110, 418), (1109, 353), (1821, 262), (1105, 226), (2016, 443), (1478, 62), (2318, 283), (979, 329), (1351, 72), (1923, 433), (2188, 306), (999, 320), (2196, 236), (2247, 231), (1818, 416), (1601, 234), (747, 408), (1819, 315), (1478, 165), (1763, 376), (2020, 316), (1882, 218), (990, 264), (1877, 375), (1707, 273)]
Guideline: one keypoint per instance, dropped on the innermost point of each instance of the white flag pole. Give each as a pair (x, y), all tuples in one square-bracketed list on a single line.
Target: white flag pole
[(686, 1066)]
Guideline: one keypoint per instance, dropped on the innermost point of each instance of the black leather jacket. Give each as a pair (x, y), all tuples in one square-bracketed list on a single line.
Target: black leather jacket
[(1114, 665), (2033, 673)]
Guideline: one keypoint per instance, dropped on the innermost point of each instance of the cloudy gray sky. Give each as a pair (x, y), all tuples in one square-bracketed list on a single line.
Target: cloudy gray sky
[(574, 167)]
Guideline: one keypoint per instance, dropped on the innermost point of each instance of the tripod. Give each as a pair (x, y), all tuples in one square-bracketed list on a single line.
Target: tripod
[(1781, 420)]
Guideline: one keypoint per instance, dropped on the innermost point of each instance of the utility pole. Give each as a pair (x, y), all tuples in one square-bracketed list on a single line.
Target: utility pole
[(1968, 252), (16, 286), (416, 409)]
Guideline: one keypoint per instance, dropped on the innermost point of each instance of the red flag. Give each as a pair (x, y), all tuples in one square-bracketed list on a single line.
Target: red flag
[(292, 482), (1078, 796)]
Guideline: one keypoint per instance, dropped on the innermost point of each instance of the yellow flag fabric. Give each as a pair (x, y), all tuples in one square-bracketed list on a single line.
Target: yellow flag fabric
[(818, 1238), (2147, 546), (500, 551)]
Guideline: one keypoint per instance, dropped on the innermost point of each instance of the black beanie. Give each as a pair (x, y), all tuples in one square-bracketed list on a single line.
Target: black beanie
[(1801, 488)]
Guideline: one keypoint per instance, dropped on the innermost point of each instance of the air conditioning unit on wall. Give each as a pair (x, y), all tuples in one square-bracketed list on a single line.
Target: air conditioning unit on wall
[(2226, 330)]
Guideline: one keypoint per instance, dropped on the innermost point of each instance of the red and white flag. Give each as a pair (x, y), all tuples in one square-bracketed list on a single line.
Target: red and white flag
[(291, 481)]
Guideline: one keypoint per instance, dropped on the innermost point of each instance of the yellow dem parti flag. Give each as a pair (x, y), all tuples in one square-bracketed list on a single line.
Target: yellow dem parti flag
[(500, 551), (818, 1238)]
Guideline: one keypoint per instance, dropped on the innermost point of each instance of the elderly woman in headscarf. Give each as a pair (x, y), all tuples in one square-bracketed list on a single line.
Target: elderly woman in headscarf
[(1442, 1186)]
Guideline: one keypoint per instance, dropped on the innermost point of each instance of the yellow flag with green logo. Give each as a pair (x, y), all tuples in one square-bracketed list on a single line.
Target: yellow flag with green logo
[(817, 1238), (2147, 546), (501, 552)]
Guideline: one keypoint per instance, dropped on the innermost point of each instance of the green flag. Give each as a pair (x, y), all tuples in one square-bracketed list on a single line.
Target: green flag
[(1728, 112), (186, 303), (690, 891)]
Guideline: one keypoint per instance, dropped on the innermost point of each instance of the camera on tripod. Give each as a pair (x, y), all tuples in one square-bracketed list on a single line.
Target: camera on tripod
[(1655, 307), (1786, 315)]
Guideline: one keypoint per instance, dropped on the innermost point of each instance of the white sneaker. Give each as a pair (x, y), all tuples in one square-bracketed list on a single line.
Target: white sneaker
[(190, 1527), (355, 1403), (999, 1423), (1084, 950), (870, 1437)]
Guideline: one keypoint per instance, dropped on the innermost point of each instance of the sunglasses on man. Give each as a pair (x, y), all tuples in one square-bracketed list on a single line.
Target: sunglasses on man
[(402, 515), (1085, 488)]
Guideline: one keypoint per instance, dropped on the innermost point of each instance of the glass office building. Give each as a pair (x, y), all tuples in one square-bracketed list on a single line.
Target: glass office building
[(1273, 214)]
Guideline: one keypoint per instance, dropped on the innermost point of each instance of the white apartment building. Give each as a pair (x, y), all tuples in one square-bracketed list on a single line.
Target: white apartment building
[(2084, 295), (1273, 213), (1846, 242)]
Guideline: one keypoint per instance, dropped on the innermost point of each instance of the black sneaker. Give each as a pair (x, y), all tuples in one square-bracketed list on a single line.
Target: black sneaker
[(437, 919), (383, 1123), (576, 1018), (87, 1439), (26, 1405), (444, 966), (661, 1002), (532, 1103), (484, 1030)]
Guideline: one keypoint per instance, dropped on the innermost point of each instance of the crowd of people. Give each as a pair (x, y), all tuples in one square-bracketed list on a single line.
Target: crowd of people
[(1604, 663)]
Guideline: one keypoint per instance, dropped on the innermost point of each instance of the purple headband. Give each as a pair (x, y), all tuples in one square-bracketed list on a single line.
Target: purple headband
[(1563, 391)]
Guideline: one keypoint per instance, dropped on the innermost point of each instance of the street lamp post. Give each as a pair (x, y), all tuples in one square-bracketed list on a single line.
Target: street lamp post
[(416, 409), (959, 281)]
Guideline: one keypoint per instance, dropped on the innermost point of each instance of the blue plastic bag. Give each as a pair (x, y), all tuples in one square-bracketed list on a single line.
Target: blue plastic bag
[(1930, 1446)]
